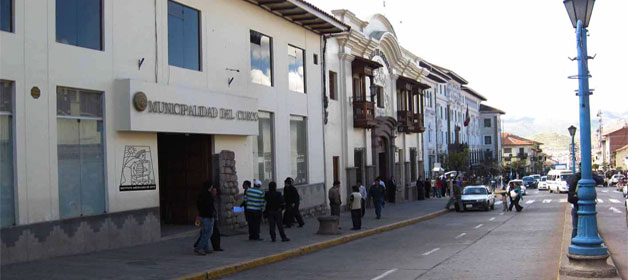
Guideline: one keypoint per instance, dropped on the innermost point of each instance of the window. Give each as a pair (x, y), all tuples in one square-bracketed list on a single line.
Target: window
[(79, 23), (6, 15), (184, 48), (298, 149), (80, 152), (333, 85), (487, 122), (487, 140), (296, 69), (507, 150), (315, 58), (336, 163), (379, 94), (264, 150), (7, 183), (261, 59)]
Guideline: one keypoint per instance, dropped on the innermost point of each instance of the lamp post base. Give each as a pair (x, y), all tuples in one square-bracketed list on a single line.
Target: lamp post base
[(588, 267)]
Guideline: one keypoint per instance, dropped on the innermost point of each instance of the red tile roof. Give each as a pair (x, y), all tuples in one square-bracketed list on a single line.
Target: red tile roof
[(622, 148), (514, 140)]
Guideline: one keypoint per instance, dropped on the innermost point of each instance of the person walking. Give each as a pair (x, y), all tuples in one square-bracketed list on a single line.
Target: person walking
[(439, 188), (274, 205), (392, 190), (364, 195), (334, 199), (206, 215), (246, 185), (215, 238), (291, 195), (254, 198), (355, 205), (378, 193), (515, 195), (505, 201), (419, 188), (428, 189)]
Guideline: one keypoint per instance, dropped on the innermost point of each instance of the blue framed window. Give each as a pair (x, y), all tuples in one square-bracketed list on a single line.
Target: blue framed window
[(79, 23), (6, 15), (80, 151), (7, 182), (184, 48)]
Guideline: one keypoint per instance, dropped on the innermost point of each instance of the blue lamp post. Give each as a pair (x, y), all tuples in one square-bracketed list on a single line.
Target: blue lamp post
[(572, 132), (588, 242)]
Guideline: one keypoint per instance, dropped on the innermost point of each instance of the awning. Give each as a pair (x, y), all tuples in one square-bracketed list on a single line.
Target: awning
[(303, 14)]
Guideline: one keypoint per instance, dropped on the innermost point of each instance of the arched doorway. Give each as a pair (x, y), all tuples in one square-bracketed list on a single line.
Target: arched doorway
[(383, 147), (381, 150)]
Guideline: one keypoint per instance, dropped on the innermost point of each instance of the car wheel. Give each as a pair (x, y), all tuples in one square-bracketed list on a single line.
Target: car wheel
[(493, 206)]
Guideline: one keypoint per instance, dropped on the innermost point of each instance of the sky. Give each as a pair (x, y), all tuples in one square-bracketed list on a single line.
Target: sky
[(515, 53)]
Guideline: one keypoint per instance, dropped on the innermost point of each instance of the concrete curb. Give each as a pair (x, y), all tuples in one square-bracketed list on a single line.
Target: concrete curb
[(237, 267)]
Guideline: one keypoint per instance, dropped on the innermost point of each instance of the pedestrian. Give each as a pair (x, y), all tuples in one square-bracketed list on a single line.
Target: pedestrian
[(364, 195), (428, 188), (215, 238), (246, 185), (292, 198), (505, 201), (439, 188), (392, 189), (274, 205), (515, 195), (378, 193), (355, 205), (334, 199), (206, 215), (419, 186), (450, 186), (254, 198)]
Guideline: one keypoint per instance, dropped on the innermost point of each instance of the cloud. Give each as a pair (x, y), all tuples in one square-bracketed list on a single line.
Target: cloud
[(258, 77)]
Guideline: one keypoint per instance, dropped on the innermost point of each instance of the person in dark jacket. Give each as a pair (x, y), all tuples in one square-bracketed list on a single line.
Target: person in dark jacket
[(392, 189), (206, 215), (291, 195), (378, 193), (246, 185), (274, 205), (215, 238), (572, 197)]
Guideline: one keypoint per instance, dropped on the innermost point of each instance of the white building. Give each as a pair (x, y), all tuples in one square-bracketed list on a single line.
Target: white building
[(111, 122), (491, 131), (375, 107)]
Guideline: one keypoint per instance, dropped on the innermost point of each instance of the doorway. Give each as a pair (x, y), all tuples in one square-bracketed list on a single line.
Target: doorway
[(382, 157), (184, 164)]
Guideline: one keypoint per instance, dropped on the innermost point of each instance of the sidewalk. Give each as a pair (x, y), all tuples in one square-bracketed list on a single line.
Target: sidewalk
[(175, 258)]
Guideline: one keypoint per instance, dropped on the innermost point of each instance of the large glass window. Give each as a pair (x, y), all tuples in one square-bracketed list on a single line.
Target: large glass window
[(263, 151), (261, 59), (79, 23), (6, 15), (487, 122), (487, 140), (298, 149), (184, 36), (296, 69), (7, 187), (80, 152)]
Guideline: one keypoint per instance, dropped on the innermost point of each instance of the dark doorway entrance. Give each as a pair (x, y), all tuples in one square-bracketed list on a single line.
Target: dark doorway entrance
[(382, 157), (184, 164)]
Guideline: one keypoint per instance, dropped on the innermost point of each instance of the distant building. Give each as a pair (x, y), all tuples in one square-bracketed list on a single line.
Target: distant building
[(611, 142), (519, 149), (491, 130), (621, 158)]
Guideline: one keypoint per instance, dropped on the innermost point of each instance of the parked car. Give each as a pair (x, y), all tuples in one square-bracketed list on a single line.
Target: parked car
[(557, 180), (478, 197), (543, 183), (536, 177), (529, 182), (512, 183)]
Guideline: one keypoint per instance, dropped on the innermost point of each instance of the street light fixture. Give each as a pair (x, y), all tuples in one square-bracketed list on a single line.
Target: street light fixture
[(572, 132), (586, 251)]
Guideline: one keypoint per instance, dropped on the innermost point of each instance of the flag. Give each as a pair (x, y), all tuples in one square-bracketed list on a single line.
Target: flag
[(467, 118)]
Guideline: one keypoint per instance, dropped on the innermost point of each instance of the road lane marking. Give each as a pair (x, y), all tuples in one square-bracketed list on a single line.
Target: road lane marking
[(385, 274), (492, 219), (536, 192), (479, 226), (431, 251), (547, 200), (530, 201), (614, 200), (498, 202), (614, 210), (501, 214), (599, 200), (461, 235), (605, 191), (563, 200)]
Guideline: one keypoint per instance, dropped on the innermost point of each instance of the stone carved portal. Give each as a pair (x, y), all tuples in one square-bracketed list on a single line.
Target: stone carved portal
[(383, 148)]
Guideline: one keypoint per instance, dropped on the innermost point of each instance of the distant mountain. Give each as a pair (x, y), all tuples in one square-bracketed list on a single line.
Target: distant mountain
[(554, 142), (531, 126)]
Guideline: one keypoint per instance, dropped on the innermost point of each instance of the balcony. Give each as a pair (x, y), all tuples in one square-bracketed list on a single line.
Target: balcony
[(364, 114), (410, 122)]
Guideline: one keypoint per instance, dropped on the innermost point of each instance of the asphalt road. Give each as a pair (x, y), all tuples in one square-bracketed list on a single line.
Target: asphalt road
[(469, 245)]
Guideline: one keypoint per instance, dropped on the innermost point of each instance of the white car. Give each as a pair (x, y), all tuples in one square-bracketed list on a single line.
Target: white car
[(478, 197), (520, 183), (543, 183), (615, 179), (557, 180)]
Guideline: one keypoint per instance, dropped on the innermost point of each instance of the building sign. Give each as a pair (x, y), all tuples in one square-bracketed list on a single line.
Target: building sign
[(137, 169), (153, 107)]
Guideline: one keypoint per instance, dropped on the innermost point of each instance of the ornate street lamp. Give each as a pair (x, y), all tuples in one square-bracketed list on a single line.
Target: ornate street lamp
[(586, 252), (572, 132)]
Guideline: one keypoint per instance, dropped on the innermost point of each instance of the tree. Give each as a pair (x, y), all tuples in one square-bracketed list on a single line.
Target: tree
[(458, 158)]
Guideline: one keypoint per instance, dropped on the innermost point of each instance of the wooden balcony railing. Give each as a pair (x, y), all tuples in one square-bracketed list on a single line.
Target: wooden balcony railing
[(364, 114), (410, 122)]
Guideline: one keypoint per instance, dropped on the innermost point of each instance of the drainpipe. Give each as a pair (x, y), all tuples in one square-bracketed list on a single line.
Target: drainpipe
[(325, 103)]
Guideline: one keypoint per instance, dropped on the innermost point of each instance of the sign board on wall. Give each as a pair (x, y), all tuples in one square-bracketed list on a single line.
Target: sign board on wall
[(138, 173), (162, 108)]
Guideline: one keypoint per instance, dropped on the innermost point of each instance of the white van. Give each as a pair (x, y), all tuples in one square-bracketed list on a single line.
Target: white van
[(557, 180)]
